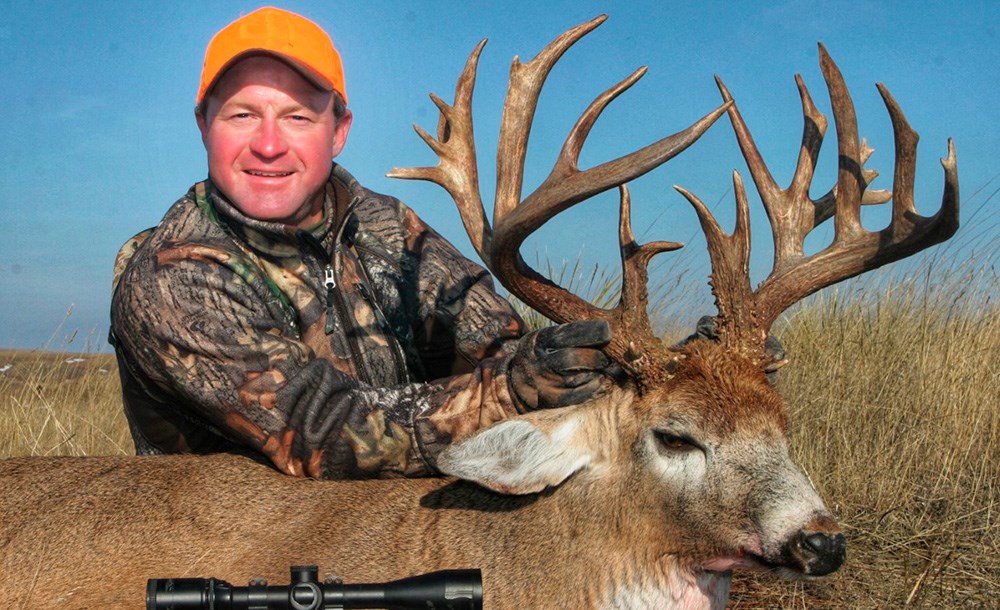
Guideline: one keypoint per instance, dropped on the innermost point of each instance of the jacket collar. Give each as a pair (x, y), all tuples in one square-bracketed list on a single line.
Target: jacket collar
[(279, 239)]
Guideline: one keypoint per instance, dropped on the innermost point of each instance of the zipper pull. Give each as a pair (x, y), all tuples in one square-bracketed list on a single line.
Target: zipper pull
[(367, 295), (330, 284), (309, 240)]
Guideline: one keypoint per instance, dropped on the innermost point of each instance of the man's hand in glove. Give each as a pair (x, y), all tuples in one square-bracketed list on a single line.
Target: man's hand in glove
[(561, 365)]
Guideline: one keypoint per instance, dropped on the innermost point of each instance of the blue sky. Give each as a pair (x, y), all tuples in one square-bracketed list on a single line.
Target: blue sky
[(98, 136)]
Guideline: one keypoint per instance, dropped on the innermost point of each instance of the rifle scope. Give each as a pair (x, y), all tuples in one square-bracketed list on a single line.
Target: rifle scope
[(445, 590)]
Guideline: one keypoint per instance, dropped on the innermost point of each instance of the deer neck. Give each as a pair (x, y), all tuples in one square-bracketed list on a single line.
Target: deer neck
[(597, 518), (667, 583)]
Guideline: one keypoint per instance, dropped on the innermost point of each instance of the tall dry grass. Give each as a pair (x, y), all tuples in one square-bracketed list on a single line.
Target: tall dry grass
[(894, 394), (894, 391), (60, 404)]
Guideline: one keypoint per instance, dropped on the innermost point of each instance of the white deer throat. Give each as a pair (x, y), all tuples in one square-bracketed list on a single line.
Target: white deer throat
[(673, 588)]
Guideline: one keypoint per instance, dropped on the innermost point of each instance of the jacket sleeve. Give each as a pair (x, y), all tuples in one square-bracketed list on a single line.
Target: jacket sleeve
[(462, 316), (201, 328), (451, 315)]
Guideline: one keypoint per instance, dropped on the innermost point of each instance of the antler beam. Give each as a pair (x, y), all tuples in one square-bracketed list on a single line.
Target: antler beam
[(746, 316), (515, 219)]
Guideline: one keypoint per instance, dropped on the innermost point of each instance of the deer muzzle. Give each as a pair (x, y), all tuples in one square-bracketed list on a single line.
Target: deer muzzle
[(819, 548)]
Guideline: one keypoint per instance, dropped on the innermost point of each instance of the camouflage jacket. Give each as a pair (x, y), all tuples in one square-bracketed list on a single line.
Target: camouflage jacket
[(358, 348)]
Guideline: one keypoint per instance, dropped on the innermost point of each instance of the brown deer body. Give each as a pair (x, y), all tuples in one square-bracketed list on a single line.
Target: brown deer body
[(635, 524), (644, 498)]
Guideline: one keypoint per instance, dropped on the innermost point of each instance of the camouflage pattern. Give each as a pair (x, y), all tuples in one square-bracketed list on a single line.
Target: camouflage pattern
[(227, 340)]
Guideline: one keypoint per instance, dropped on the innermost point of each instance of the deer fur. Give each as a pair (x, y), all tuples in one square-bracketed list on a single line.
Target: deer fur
[(580, 507)]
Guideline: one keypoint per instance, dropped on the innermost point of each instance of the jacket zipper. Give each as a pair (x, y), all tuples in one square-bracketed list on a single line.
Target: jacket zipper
[(330, 283), (402, 374), (381, 256), (395, 347), (329, 277), (334, 300)]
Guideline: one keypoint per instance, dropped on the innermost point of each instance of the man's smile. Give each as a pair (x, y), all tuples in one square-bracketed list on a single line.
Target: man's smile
[(254, 172)]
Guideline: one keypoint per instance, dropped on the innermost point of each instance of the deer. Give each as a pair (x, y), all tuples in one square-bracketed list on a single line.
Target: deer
[(648, 496)]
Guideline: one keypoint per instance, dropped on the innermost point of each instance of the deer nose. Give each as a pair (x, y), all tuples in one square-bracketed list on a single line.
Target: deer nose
[(822, 552)]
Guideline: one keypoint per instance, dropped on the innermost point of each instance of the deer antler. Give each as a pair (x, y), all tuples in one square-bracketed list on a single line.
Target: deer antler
[(745, 316), (514, 220)]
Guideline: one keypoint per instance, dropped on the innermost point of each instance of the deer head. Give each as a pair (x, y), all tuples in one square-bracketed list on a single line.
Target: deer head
[(693, 445)]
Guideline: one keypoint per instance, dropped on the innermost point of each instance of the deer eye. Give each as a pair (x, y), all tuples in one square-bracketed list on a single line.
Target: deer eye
[(674, 442)]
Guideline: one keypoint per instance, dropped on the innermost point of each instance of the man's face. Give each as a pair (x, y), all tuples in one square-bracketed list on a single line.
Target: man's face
[(271, 137)]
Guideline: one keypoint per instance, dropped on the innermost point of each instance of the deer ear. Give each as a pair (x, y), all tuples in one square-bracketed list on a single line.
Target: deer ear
[(520, 456)]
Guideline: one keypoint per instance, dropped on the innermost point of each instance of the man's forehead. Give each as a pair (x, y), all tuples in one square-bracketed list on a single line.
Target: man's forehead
[(269, 71), (264, 65)]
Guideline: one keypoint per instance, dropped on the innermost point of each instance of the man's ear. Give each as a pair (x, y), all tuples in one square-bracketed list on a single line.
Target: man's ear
[(340, 133), (199, 117)]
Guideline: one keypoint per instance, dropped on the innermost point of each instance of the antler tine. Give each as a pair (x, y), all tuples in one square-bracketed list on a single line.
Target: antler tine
[(457, 169), (526, 80), (636, 258), (730, 259), (850, 182), (761, 175), (638, 338), (903, 210)]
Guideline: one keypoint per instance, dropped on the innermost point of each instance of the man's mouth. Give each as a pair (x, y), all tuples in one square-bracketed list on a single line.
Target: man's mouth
[(262, 174)]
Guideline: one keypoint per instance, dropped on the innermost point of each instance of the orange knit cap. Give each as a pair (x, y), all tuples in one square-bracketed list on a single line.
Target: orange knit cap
[(291, 37)]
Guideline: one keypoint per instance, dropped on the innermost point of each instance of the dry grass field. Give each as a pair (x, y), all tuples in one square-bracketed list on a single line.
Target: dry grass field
[(894, 389), (60, 404), (895, 402)]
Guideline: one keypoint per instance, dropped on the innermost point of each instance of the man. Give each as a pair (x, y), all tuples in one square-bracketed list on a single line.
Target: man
[(283, 310)]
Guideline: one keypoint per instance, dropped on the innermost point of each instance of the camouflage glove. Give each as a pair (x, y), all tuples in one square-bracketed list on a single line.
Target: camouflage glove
[(705, 329), (561, 365)]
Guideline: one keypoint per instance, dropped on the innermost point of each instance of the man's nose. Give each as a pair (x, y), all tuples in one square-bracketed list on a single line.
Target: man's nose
[(268, 142)]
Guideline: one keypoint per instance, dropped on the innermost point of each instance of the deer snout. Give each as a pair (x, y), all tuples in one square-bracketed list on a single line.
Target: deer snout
[(820, 548)]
